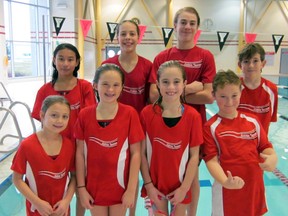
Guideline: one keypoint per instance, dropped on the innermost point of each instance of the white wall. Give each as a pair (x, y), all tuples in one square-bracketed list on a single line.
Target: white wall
[(3, 56), (263, 17)]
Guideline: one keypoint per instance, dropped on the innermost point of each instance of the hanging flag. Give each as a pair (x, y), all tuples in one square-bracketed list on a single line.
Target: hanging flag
[(277, 40), (222, 36), (250, 37), (58, 23), (112, 29), (167, 32), (197, 35), (142, 29), (85, 24)]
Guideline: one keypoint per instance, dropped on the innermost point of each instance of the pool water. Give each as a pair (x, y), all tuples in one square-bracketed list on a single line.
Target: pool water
[(12, 202)]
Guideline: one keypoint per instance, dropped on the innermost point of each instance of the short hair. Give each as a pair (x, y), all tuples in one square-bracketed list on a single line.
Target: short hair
[(249, 50), (191, 10), (223, 78)]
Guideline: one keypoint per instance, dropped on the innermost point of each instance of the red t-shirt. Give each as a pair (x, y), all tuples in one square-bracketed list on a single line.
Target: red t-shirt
[(107, 155), (136, 86), (199, 65), (262, 102), (168, 147), (80, 96), (46, 177), (237, 143)]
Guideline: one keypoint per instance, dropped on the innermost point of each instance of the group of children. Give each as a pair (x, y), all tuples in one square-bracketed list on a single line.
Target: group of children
[(149, 117)]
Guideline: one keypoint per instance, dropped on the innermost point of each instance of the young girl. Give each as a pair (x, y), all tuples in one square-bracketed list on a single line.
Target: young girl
[(236, 151), (108, 148), (200, 70), (136, 68), (47, 161), (259, 96), (79, 92), (170, 154)]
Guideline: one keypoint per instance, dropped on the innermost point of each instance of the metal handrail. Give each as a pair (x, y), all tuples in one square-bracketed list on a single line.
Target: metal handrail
[(14, 117), (8, 98)]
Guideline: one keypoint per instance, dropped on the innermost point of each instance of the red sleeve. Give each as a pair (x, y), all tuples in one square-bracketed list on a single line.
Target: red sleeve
[(136, 132), (275, 107), (209, 68), (264, 141), (88, 94), (72, 149), (38, 103), (210, 149), (142, 119), (196, 137), (20, 160), (79, 126), (155, 66)]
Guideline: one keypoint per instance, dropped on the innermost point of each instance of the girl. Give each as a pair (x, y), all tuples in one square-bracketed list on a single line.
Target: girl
[(235, 143), (136, 68), (47, 161), (108, 148), (200, 69), (170, 153), (79, 92)]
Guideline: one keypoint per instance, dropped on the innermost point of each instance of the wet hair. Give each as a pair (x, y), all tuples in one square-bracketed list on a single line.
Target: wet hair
[(191, 10), (224, 78), (130, 21), (163, 66), (53, 99), (102, 69), (249, 50), (57, 49)]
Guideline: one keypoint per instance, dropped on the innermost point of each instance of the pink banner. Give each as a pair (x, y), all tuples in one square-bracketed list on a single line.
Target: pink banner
[(142, 29), (85, 24), (250, 37), (197, 35)]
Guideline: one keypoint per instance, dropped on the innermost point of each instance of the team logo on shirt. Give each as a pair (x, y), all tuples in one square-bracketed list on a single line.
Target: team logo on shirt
[(53, 175), (169, 145), (196, 64), (135, 91), (248, 135), (256, 109), (75, 106), (106, 144)]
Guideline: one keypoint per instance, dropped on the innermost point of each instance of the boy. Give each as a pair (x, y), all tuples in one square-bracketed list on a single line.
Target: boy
[(259, 95), (236, 143)]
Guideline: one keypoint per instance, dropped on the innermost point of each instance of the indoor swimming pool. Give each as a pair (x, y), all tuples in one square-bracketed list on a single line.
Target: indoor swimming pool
[(12, 203)]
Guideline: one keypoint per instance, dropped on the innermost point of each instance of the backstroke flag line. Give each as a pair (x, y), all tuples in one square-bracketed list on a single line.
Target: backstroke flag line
[(85, 24), (222, 37), (111, 29), (167, 32), (58, 23)]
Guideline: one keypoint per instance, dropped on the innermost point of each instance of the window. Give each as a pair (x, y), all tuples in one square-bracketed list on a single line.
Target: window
[(25, 21)]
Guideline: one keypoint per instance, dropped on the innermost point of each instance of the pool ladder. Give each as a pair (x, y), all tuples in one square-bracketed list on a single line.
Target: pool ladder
[(6, 97), (8, 148)]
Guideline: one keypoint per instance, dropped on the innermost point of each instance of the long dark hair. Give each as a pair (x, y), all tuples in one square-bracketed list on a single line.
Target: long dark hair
[(61, 47)]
